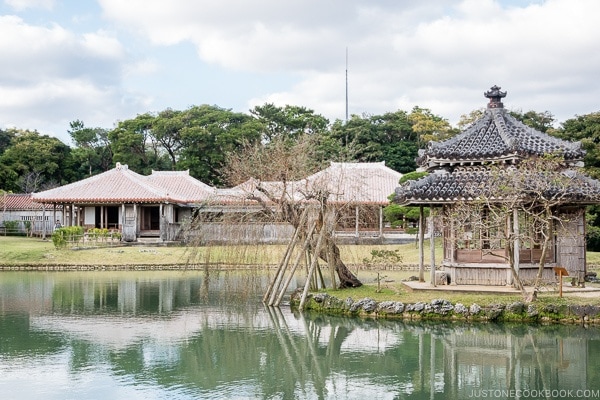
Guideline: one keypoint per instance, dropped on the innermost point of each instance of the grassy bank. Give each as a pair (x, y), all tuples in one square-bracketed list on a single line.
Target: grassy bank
[(33, 251)]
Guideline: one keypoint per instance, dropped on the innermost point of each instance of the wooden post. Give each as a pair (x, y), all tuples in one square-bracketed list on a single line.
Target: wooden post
[(356, 222), (560, 271), (421, 243), (311, 270), (299, 256), (432, 245), (276, 282)]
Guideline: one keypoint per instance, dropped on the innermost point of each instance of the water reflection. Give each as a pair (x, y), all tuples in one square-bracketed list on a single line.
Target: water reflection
[(193, 335)]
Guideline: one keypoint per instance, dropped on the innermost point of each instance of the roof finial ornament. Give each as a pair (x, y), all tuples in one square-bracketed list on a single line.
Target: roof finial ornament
[(495, 95)]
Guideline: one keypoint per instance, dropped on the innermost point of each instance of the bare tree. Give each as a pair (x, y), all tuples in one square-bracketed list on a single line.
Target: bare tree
[(276, 169)]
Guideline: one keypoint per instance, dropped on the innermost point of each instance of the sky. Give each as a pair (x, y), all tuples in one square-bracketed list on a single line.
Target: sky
[(104, 61)]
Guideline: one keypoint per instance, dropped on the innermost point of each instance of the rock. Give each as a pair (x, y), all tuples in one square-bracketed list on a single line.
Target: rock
[(474, 309), (516, 308), (460, 308), (441, 306), (551, 309), (366, 304), (391, 307), (418, 307), (532, 311), (320, 297)]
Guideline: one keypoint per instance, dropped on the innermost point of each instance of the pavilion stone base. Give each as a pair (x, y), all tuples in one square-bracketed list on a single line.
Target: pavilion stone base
[(496, 274)]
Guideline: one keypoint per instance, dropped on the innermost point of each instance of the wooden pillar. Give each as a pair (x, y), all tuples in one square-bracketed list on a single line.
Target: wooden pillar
[(380, 221), (43, 220), (102, 217), (421, 244), (356, 221), (432, 244), (136, 220), (73, 220), (122, 216), (517, 243)]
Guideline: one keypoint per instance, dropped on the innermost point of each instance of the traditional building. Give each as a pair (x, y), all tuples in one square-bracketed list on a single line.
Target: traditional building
[(357, 192), (157, 206), (26, 216), (496, 167), (136, 205)]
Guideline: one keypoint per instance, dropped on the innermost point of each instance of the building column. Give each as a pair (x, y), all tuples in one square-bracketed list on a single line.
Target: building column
[(517, 244), (432, 244), (380, 221), (356, 221), (421, 244)]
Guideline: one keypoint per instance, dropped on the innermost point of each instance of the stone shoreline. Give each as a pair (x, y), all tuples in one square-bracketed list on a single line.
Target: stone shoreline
[(440, 309)]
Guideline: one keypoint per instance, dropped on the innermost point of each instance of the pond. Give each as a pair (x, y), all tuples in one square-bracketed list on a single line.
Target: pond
[(198, 335)]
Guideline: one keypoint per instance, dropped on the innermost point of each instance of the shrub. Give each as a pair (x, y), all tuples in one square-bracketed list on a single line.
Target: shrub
[(69, 234)]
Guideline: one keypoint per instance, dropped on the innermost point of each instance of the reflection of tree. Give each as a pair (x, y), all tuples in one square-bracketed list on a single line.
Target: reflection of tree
[(18, 340)]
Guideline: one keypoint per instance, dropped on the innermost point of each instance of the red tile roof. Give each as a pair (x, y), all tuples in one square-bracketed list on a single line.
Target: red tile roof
[(121, 185), (20, 202), (180, 186), (366, 183), (346, 183)]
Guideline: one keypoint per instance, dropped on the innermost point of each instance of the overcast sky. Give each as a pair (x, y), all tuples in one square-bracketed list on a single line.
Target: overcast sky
[(109, 60)]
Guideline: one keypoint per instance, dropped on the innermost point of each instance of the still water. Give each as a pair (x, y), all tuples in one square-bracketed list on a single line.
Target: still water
[(194, 335)]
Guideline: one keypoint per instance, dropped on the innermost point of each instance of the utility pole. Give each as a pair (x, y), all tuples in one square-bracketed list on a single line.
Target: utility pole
[(346, 84)]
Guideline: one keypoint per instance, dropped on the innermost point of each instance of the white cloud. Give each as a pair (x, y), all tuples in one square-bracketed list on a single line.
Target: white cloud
[(441, 55), (20, 5), (50, 76)]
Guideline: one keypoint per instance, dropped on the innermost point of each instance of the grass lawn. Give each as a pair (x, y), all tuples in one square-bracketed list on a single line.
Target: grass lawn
[(31, 251)]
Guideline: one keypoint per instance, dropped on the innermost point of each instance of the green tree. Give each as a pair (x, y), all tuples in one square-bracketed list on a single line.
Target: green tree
[(132, 143), (372, 138), (209, 135), (430, 127), (289, 122), (399, 215), (586, 129), (167, 129), (467, 119), (540, 121), (92, 150), (34, 162), (6, 138)]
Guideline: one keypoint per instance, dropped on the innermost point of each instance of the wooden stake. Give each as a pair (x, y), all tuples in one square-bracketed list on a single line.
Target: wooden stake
[(311, 271), (295, 266), (273, 286)]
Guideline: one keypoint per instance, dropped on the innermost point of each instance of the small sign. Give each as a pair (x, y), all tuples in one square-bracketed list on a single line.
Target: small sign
[(560, 271)]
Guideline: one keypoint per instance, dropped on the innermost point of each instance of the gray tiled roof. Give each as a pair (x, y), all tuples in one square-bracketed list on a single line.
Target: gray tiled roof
[(470, 183), (460, 166), (496, 135)]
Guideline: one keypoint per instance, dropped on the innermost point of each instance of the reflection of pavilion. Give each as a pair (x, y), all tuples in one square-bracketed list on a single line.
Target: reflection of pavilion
[(509, 361)]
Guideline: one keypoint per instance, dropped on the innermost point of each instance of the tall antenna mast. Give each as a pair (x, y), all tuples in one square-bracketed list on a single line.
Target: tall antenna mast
[(346, 84)]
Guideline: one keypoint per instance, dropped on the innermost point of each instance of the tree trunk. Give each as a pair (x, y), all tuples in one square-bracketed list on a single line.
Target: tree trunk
[(347, 278), (540, 273)]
